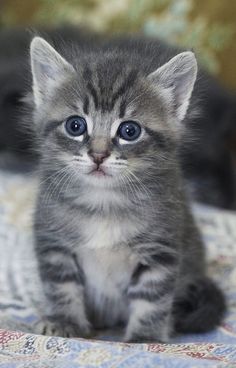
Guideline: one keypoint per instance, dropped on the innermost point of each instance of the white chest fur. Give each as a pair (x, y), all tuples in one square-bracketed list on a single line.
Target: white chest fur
[(100, 232), (108, 272), (108, 263)]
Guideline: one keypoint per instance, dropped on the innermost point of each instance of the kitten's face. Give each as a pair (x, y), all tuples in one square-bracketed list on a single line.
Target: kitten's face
[(107, 147), (106, 124)]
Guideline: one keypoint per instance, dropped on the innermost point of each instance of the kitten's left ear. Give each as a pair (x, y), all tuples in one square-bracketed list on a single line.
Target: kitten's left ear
[(178, 77), (49, 69)]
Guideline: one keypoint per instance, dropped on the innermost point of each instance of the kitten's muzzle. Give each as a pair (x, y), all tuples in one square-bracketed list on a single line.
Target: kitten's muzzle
[(98, 157)]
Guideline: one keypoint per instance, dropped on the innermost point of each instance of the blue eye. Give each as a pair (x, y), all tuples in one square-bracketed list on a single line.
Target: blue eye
[(75, 126), (129, 130)]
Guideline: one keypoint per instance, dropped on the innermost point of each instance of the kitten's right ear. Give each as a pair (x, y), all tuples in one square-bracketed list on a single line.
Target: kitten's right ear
[(177, 77), (49, 69)]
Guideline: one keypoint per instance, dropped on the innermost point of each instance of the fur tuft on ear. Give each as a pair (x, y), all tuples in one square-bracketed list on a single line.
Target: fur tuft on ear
[(49, 68), (177, 76)]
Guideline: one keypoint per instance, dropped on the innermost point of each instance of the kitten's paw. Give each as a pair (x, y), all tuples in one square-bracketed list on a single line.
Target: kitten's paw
[(65, 328)]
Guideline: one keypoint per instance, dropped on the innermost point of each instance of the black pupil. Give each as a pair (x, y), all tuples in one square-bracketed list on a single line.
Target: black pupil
[(130, 130), (75, 126)]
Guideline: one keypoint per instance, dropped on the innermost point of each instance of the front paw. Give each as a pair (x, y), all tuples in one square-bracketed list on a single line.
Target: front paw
[(64, 328)]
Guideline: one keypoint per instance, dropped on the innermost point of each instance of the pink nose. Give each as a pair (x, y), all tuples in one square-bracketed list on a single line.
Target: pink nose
[(98, 157)]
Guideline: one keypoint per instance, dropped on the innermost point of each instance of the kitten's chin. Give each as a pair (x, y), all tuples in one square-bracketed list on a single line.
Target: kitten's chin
[(102, 177), (98, 174), (99, 178)]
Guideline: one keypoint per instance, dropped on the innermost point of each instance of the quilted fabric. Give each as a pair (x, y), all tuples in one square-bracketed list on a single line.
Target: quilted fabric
[(20, 296)]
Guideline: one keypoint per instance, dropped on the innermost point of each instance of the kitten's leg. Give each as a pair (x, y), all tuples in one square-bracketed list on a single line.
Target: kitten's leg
[(151, 298), (63, 287)]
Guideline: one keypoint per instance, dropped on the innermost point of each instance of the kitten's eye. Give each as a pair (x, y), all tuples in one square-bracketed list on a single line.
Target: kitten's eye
[(129, 130), (76, 126)]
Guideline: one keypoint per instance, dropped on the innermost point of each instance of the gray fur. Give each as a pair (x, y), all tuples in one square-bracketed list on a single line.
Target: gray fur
[(121, 248)]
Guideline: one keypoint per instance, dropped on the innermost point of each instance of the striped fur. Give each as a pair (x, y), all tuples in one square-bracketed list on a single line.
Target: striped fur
[(121, 248)]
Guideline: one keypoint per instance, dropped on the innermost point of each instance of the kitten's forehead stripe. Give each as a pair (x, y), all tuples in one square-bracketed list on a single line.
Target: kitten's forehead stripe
[(127, 83), (106, 93), (122, 109), (86, 105), (93, 93)]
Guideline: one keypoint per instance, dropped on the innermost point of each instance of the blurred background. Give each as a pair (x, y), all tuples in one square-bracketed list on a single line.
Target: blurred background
[(206, 26)]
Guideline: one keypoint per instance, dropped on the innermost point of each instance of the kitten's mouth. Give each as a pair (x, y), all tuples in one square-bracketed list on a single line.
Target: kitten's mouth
[(98, 172)]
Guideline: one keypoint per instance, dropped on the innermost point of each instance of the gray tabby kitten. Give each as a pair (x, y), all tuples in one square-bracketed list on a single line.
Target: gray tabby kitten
[(115, 240)]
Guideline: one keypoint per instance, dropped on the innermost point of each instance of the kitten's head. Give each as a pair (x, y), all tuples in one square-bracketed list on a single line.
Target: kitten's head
[(103, 119)]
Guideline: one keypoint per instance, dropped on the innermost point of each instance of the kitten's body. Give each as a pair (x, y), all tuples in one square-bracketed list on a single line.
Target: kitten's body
[(118, 244)]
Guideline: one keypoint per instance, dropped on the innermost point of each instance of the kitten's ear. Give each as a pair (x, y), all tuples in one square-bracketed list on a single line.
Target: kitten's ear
[(178, 77), (49, 68)]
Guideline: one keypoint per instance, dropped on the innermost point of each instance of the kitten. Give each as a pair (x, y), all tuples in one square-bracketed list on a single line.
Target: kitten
[(115, 240)]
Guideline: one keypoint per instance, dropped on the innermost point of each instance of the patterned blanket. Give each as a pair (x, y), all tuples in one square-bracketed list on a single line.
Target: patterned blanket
[(21, 344)]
